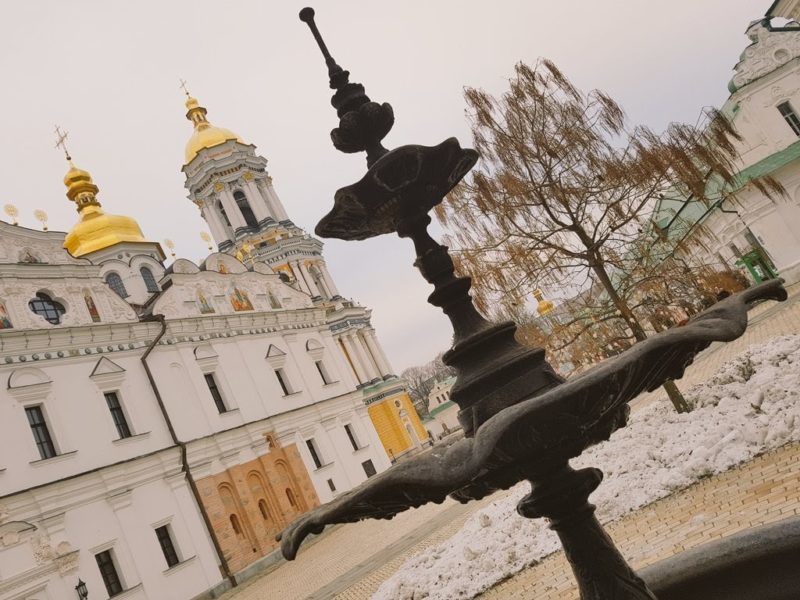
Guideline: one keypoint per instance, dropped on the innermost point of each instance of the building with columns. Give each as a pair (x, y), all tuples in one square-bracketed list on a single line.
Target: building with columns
[(159, 425)]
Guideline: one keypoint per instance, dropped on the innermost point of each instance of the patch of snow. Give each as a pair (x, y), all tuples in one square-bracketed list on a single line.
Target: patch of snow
[(748, 407)]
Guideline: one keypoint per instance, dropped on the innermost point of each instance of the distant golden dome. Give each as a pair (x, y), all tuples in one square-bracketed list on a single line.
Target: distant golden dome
[(544, 306), (95, 230), (205, 134)]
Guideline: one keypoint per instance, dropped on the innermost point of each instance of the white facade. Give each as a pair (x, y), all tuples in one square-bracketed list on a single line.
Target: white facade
[(442, 416), (764, 104)]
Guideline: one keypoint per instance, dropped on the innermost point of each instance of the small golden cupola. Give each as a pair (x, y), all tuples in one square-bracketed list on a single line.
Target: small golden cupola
[(96, 229), (205, 134), (545, 306)]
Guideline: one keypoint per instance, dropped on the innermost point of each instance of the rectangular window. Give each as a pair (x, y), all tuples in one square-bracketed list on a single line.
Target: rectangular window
[(322, 372), (351, 436), (312, 448), (331, 485), (283, 381), (735, 249), (120, 422), (167, 547), (215, 393), (369, 468), (788, 114), (41, 434), (105, 562)]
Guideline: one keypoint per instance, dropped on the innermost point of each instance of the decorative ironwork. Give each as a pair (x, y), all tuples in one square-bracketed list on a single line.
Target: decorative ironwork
[(521, 420)]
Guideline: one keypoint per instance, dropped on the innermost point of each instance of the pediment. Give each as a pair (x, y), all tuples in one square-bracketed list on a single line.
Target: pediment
[(771, 48), (273, 351), (27, 376), (106, 366), (204, 351)]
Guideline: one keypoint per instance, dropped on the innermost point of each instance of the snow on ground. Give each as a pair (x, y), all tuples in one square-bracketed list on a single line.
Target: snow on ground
[(748, 407)]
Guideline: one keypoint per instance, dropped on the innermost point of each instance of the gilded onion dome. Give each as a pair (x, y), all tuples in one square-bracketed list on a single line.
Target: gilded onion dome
[(545, 306), (96, 229), (205, 134)]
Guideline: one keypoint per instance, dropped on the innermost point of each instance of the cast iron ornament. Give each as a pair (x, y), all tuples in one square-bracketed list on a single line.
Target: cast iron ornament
[(521, 420)]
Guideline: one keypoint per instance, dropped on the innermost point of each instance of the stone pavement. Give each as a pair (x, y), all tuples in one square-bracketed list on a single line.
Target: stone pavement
[(761, 491), (350, 562)]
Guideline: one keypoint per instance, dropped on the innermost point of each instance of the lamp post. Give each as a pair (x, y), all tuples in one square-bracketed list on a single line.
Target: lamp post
[(521, 420), (83, 593)]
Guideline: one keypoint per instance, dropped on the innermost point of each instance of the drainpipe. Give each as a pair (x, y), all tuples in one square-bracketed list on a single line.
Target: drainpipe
[(226, 571)]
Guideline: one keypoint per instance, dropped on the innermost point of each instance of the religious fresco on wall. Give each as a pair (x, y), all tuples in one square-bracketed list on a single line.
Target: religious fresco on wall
[(205, 306), (5, 320), (240, 300), (27, 257), (221, 267), (92, 307)]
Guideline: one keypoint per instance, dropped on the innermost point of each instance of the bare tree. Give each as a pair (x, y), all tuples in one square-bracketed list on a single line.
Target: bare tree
[(564, 195), (421, 379)]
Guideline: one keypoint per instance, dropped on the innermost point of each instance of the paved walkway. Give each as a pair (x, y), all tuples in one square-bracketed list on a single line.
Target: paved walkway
[(761, 491), (350, 562)]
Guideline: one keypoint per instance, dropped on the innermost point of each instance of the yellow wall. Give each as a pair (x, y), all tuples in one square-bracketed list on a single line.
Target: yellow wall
[(390, 426)]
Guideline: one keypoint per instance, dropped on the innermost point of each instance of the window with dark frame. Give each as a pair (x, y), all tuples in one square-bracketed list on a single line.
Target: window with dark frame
[(149, 280), (118, 415), (44, 306), (262, 507), (167, 547), (331, 485), (114, 281), (283, 382), (245, 209), (215, 393), (44, 442), (351, 437), (322, 372), (312, 448), (369, 468), (791, 118), (108, 571)]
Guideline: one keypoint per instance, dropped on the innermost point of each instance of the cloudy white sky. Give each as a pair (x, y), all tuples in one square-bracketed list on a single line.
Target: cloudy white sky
[(108, 72)]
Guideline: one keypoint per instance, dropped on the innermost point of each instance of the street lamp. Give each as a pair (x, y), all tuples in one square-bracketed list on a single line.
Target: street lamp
[(83, 593), (521, 421)]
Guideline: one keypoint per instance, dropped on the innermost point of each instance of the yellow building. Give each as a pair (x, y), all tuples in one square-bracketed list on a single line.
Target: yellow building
[(397, 423)]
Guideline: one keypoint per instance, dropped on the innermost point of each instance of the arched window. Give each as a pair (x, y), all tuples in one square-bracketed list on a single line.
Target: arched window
[(273, 301), (48, 308), (290, 496), (149, 280), (244, 208), (237, 527), (114, 281), (262, 506), (224, 214)]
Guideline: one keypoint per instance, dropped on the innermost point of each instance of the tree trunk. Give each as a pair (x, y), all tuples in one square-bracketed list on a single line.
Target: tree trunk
[(674, 394)]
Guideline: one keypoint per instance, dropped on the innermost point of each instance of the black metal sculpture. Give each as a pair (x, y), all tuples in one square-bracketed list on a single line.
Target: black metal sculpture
[(521, 420)]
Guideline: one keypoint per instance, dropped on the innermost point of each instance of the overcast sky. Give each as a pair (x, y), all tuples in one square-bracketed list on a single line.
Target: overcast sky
[(108, 73)]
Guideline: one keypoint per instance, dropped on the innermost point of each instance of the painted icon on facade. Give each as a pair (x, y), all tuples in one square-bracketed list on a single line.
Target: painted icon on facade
[(92, 307), (239, 300), (5, 320), (221, 267), (205, 306)]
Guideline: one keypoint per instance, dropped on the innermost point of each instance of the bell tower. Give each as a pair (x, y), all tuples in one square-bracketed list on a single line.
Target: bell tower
[(230, 185)]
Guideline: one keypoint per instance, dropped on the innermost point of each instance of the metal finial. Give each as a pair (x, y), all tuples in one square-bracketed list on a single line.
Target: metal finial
[(369, 123), (183, 87)]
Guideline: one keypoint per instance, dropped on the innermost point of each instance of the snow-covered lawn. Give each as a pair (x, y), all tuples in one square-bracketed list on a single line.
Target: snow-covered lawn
[(748, 407)]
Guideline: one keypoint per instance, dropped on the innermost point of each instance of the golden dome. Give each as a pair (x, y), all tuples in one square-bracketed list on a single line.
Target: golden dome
[(205, 134), (544, 306), (95, 230)]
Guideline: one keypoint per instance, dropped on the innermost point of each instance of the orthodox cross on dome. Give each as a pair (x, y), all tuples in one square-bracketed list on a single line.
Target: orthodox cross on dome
[(183, 87), (61, 141)]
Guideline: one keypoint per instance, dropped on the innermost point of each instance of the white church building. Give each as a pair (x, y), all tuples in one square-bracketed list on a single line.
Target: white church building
[(748, 230), (158, 426)]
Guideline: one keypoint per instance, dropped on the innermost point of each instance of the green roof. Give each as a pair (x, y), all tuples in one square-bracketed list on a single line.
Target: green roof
[(441, 408)]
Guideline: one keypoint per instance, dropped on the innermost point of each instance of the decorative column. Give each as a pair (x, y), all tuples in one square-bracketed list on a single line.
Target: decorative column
[(350, 354), (280, 213), (231, 209), (369, 367), (323, 269), (299, 276), (309, 280), (377, 353), (255, 198), (218, 229)]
